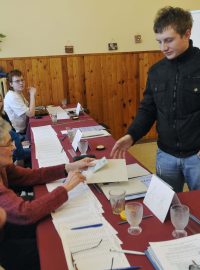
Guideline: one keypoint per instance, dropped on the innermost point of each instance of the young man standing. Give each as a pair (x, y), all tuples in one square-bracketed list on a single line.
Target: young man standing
[(15, 104), (172, 99)]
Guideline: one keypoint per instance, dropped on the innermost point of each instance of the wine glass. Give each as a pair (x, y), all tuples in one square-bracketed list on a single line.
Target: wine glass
[(179, 217), (83, 146), (134, 214)]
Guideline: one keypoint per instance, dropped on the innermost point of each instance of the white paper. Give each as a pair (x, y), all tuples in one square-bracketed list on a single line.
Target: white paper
[(134, 186), (95, 134), (48, 149), (61, 114), (135, 170), (159, 197), (78, 108), (76, 139), (177, 254), (114, 171)]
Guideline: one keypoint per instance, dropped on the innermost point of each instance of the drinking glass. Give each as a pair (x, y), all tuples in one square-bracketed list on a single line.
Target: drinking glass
[(134, 214), (64, 102), (54, 117), (71, 134), (179, 217), (83, 146), (117, 200)]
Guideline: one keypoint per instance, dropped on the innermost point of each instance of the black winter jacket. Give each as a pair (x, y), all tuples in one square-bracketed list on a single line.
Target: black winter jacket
[(172, 98)]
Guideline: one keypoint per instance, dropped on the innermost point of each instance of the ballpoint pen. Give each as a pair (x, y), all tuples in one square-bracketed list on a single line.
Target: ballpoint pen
[(62, 139), (91, 136), (126, 251), (127, 268), (195, 219), (144, 217), (87, 226)]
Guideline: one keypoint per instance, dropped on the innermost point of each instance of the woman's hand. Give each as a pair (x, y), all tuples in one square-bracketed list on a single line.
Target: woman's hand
[(80, 164), (74, 178)]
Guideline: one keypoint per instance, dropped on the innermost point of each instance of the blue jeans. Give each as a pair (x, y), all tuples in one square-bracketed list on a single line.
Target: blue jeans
[(18, 153), (176, 171)]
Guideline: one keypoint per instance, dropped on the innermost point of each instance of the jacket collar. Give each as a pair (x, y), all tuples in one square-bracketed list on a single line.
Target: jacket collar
[(185, 55)]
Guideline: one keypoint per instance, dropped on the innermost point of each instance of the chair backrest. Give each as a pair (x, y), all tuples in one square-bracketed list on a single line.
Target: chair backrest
[(3, 87)]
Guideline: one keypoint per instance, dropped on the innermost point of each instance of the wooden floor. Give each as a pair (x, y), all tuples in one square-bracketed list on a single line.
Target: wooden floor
[(146, 154)]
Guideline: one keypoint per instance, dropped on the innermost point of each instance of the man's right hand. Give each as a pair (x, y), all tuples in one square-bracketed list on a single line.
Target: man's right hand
[(121, 146), (32, 91)]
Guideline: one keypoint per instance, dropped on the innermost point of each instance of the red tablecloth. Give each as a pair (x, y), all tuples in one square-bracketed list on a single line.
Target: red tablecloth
[(49, 244)]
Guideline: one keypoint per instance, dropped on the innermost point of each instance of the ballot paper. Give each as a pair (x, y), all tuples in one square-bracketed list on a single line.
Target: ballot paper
[(100, 163), (133, 186), (135, 170), (114, 171)]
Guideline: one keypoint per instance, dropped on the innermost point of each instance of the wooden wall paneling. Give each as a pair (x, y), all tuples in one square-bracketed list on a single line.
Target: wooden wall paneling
[(41, 80), (7, 65), (106, 69), (65, 79), (93, 83), (76, 77), (56, 80), (146, 60), (130, 86), (119, 88)]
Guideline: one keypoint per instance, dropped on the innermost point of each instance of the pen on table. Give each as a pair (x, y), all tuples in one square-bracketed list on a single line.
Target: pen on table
[(127, 268), (195, 219), (87, 226), (62, 139), (126, 251), (144, 217), (97, 188), (111, 268), (90, 136)]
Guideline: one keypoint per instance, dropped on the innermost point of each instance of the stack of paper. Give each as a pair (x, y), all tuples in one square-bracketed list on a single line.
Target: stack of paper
[(177, 254), (95, 133), (48, 149), (114, 171), (135, 187), (132, 187), (85, 234), (61, 114)]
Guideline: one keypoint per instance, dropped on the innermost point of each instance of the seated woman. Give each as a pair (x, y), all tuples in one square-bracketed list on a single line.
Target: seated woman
[(20, 155), (15, 104), (22, 215)]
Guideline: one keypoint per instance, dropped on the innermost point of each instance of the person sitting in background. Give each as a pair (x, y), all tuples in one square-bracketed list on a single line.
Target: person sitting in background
[(19, 154), (15, 104), (22, 216)]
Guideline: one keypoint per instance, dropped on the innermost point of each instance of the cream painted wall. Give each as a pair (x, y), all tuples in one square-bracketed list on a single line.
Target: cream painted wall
[(44, 27)]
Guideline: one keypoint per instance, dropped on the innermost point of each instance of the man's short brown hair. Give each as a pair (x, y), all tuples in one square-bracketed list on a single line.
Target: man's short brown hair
[(179, 19)]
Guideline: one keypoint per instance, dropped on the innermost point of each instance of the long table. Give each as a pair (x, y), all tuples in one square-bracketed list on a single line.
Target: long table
[(49, 244)]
